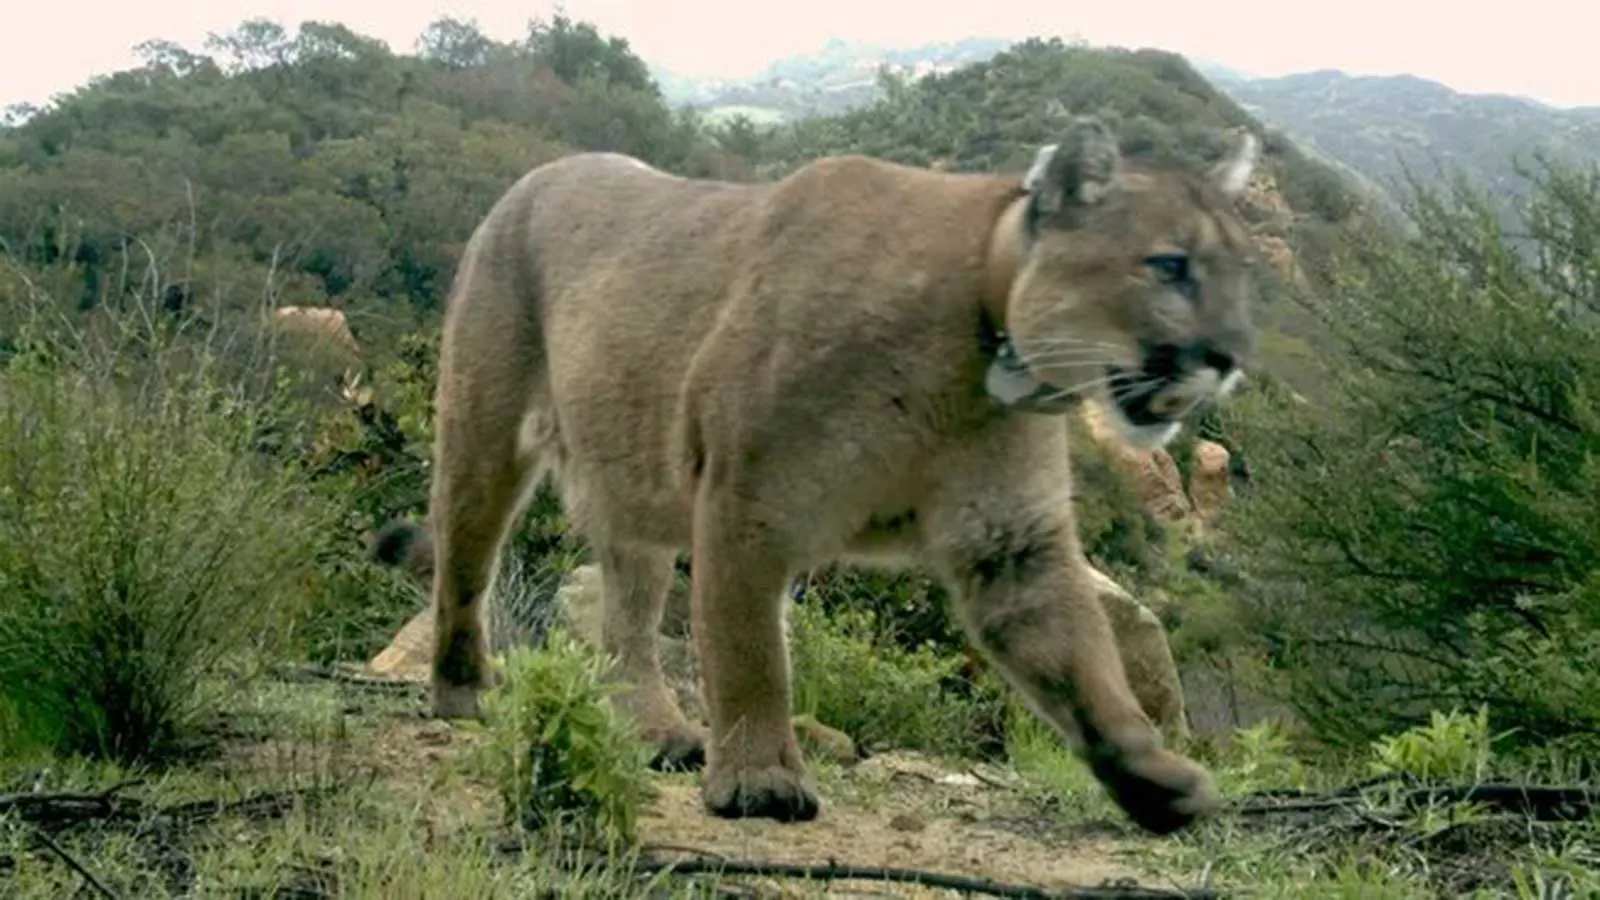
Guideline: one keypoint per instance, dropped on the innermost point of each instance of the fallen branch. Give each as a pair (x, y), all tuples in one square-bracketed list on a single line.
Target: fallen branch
[(89, 877), (706, 863), (36, 807), (834, 871), (42, 808), (1542, 803)]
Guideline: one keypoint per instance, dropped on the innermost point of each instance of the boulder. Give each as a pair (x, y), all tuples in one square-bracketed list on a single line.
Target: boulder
[(1155, 474)]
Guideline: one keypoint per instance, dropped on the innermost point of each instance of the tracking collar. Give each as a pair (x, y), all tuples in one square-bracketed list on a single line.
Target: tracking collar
[(1009, 380)]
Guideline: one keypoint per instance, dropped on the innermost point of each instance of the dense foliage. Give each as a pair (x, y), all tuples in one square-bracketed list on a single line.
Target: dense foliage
[(319, 166), (1427, 536)]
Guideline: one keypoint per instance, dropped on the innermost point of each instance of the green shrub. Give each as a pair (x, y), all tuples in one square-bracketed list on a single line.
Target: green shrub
[(1425, 535), (881, 694), (1451, 747), (564, 758), (144, 545)]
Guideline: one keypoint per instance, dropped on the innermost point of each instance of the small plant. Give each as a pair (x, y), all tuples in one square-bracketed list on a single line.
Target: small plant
[(1454, 746), (1262, 757), (562, 755), (1053, 774)]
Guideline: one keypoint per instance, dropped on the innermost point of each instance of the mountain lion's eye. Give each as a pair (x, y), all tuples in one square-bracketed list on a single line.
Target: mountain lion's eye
[(1171, 268)]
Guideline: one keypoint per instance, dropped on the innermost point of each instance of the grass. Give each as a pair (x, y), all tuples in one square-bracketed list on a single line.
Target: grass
[(393, 805), (143, 548)]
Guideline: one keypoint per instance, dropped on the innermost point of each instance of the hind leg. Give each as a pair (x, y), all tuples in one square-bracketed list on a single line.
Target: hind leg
[(477, 496), (634, 586), (480, 483)]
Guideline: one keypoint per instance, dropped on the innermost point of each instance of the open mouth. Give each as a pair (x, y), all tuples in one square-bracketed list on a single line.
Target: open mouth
[(1139, 396)]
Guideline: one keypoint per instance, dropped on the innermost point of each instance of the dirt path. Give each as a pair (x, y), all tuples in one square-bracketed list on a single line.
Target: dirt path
[(897, 810)]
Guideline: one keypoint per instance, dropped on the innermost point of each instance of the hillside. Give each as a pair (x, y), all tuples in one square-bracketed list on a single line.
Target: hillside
[(317, 161), (347, 174), (1367, 128), (1379, 126)]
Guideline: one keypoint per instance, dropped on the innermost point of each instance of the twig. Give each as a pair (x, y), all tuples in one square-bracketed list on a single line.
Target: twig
[(263, 805), (40, 807), (835, 871), (317, 673), (89, 877), (34, 806), (1543, 803), (695, 852)]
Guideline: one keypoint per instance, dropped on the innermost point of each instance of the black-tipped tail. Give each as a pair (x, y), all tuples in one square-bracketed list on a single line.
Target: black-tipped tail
[(404, 544)]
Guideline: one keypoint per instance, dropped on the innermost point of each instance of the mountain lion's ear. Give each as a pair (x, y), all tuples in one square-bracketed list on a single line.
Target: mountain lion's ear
[(1079, 171), (1233, 173)]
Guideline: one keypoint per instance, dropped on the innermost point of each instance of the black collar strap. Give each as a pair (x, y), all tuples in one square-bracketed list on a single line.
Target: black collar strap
[(1008, 380)]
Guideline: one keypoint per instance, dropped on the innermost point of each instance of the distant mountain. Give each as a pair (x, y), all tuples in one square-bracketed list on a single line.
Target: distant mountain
[(1380, 126), (842, 75), (1368, 127)]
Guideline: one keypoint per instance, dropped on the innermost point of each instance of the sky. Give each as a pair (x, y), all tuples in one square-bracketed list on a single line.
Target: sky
[(1544, 51)]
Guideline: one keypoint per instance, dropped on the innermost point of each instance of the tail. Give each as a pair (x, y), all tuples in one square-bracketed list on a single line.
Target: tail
[(408, 545)]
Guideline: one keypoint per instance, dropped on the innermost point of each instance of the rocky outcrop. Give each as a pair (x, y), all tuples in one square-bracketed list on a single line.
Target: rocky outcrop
[(320, 325), (1159, 483)]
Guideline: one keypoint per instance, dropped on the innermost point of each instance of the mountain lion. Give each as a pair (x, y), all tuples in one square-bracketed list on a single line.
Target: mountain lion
[(862, 362)]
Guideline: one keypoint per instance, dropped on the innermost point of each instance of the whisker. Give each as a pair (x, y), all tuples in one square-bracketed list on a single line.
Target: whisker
[(1135, 388), (1074, 342), (1070, 353), (1059, 393)]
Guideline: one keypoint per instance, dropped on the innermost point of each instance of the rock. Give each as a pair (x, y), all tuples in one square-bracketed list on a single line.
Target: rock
[(1155, 475), (1146, 657), (577, 606), (320, 325), (410, 654), (818, 740), (1211, 481)]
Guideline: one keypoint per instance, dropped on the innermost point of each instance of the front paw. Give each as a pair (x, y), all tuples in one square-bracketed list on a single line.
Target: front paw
[(1159, 790), (770, 792)]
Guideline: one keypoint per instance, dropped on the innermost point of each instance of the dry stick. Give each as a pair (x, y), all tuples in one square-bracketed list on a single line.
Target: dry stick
[(835, 871), (33, 805), (36, 807), (88, 876), (1541, 802)]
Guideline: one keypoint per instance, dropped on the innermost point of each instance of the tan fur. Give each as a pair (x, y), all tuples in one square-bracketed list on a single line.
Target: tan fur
[(772, 376)]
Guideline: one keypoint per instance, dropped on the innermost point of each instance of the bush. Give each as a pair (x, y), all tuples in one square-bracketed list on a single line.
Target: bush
[(144, 545), (563, 757), (883, 695), (1427, 535)]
